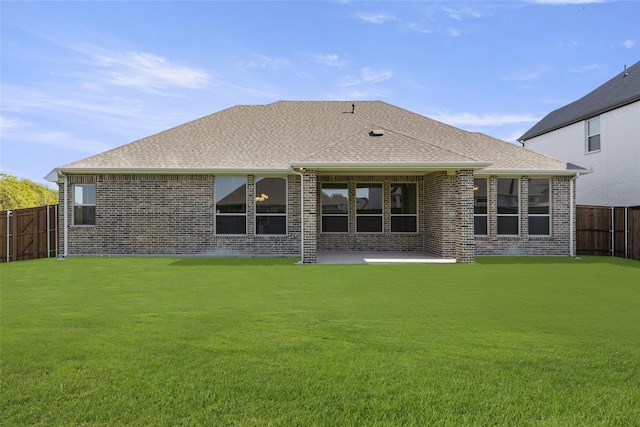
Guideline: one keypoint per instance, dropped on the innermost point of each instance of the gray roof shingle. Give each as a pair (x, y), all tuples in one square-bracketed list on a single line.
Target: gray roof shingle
[(621, 90), (276, 136)]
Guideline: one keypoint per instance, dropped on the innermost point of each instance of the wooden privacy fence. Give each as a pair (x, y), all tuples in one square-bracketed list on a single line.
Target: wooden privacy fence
[(608, 231), (29, 233)]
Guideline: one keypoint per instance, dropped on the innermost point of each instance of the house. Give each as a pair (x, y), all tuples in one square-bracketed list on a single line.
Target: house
[(600, 131), (293, 178)]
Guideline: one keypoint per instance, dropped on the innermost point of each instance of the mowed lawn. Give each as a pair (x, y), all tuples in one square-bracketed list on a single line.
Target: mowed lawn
[(264, 342)]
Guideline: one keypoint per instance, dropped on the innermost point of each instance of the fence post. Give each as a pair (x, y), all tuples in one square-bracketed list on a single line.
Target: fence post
[(48, 233), (613, 231), (8, 236), (626, 232)]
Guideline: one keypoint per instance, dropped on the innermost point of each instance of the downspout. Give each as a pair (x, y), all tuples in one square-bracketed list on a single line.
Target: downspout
[(65, 219), (572, 183), (301, 215)]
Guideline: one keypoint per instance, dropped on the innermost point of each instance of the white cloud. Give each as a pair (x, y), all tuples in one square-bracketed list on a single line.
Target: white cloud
[(629, 43), (461, 13), (16, 130), (268, 62), (375, 18), (372, 76), (453, 32), (330, 59), (368, 76), (147, 70), (473, 119), (419, 28), (524, 75)]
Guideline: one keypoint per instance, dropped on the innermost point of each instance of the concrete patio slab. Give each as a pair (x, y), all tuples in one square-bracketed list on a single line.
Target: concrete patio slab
[(391, 257)]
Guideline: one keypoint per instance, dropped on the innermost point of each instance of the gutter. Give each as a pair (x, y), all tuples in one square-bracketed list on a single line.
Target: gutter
[(56, 174), (392, 166), (533, 172)]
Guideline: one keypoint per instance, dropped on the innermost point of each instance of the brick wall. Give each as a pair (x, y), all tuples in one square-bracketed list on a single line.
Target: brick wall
[(555, 244), (173, 215), (170, 215)]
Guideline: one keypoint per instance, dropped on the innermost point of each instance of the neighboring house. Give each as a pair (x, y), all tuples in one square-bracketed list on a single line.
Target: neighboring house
[(293, 178), (600, 131)]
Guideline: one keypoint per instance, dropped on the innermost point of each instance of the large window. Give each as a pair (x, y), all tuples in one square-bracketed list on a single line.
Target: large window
[(539, 207), (404, 208), (508, 206), (369, 208), (271, 205), (335, 208), (480, 207), (593, 135), (231, 205), (84, 204)]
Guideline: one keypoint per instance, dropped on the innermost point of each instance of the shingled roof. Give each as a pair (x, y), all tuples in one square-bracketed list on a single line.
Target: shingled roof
[(326, 135), (621, 90)]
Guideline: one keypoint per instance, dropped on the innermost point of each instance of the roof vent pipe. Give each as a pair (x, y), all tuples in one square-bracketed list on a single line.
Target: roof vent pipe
[(353, 106), (625, 70)]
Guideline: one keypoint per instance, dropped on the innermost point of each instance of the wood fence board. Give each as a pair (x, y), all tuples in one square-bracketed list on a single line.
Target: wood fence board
[(596, 226), (31, 233)]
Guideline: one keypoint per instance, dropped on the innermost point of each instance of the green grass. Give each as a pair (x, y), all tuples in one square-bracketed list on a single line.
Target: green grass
[(255, 342)]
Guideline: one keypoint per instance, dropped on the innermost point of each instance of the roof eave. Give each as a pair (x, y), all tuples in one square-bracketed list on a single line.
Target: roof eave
[(525, 137), (57, 174), (389, 167), (534, 172)]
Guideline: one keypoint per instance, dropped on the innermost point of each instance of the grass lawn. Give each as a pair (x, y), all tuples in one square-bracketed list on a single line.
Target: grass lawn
[(256, 342)]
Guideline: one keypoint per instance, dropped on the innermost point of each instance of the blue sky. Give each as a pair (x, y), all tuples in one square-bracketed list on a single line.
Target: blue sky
[(81, 77)]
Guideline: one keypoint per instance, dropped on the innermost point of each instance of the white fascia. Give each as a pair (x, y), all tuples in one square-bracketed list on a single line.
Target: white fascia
[(532, 172), (56, 174), (389, 167)]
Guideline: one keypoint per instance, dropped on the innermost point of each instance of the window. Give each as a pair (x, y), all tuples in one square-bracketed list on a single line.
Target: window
[(508, 206), (335, 208), (84, 204), (404, 208), (369, 208), (480, 207), (271, 206), (593, 135), (539, 207), (231, 205)]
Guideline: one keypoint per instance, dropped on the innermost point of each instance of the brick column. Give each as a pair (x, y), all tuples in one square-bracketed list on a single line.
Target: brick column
[(309, 218), (465, 242), (524, 208)]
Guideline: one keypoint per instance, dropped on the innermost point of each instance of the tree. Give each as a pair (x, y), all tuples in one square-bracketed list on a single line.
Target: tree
[(23, 193)]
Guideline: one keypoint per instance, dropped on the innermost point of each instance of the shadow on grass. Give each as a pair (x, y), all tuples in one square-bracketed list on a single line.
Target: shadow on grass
[(227, 261), (580, 260)]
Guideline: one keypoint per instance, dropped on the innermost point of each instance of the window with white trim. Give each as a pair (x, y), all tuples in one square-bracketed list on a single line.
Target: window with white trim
[(231, 204), (593, 135), (335, 207), (508, 198), (404, 208), (369, 208), (539, 207), (480, 207), (271, 205), (84, 204)]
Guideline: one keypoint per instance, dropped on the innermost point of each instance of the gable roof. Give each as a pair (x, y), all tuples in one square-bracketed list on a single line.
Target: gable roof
[(325, 135), (621, 90)]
